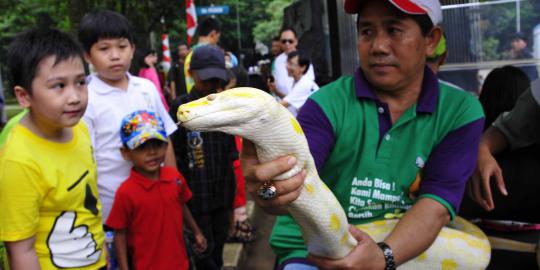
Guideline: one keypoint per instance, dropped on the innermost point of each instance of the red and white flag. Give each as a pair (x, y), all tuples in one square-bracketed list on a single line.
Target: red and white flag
[(166, 63), (191, 19)]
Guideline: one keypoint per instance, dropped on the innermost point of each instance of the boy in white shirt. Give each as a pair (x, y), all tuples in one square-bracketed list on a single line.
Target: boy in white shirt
[(113, 93)]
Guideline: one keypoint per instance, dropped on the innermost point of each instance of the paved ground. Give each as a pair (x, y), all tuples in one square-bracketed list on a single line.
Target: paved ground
[(258, 255)]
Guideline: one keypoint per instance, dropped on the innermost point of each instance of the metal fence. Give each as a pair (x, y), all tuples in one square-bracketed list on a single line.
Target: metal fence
[(480, 33)]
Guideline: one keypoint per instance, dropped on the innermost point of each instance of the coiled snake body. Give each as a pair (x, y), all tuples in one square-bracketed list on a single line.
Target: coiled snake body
[(256, 116)]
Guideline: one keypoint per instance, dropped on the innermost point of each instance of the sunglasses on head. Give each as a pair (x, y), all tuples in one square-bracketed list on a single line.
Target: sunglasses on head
[(291, 41)]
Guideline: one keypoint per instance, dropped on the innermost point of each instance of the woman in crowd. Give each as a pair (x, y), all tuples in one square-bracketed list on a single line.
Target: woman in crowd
[(303, 86)]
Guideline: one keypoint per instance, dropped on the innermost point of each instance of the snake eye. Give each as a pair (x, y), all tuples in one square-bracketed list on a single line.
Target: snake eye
[(211, 97)]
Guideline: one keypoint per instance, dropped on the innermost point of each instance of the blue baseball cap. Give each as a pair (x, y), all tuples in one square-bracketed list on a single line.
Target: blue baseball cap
[(141, 126)]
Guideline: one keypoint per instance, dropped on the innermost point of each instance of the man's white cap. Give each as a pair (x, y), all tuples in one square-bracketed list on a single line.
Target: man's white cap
[(415, 7)]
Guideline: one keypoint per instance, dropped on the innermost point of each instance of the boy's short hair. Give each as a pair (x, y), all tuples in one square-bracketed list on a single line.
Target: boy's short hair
[(29, 48), (102, 24), (208, 25)]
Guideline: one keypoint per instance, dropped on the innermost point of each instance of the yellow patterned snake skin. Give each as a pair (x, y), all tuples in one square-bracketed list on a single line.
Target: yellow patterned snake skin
[(256, 116)]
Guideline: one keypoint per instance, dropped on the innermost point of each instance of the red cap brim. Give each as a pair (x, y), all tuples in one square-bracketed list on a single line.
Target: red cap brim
[(353, 6), (408, 6)]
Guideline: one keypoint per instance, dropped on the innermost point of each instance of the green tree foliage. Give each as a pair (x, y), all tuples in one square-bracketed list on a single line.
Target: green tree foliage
[(16, 16), (266, 29), (250, 13), (265, 16), (145, 15), (499, 24), (489, 49)]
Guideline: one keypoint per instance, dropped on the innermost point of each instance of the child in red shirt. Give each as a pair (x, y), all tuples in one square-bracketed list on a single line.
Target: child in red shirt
[(149, 207)]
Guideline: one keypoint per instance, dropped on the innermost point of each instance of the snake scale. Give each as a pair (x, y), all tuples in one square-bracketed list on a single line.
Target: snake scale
[(256, 116)]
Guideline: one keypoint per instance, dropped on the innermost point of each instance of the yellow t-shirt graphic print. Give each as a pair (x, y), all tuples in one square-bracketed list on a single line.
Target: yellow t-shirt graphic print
[(49, 190)]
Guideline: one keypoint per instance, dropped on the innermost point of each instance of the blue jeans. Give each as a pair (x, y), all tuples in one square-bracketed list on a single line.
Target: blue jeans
[(297, 264)]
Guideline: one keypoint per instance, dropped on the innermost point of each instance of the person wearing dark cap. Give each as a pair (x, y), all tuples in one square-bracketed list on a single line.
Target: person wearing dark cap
[(205, 159), (519, 51), (518, 47), (394, 124)]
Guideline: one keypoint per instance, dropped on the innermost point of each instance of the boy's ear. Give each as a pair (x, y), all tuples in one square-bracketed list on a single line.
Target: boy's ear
[(125, 153), (87, 58), (23, 97), (133, 48)]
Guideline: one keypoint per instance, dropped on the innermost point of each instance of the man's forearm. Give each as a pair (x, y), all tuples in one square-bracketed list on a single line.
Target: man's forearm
[(417, 230), (493, 140)]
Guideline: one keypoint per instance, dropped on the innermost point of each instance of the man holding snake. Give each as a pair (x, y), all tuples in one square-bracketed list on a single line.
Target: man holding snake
[(390, 142)]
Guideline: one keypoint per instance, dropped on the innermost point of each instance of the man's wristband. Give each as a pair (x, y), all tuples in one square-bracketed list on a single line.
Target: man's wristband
[(388, 256)]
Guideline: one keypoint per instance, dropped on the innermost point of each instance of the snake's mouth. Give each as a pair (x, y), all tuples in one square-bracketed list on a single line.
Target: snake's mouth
[(184, 122), (180, 122), (183, 117), (207, 115), (202, 126)]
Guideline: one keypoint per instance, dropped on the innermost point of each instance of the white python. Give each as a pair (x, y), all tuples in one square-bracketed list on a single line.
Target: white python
[(256, 116)]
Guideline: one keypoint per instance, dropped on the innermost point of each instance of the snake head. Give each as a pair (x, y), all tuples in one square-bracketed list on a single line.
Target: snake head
[(228, 111)]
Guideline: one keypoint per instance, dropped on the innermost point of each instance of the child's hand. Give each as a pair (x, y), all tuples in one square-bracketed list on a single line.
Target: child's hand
[(200, 243)]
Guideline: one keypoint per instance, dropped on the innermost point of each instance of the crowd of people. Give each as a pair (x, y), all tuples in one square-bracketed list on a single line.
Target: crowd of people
[(83, 180), (95, 155)]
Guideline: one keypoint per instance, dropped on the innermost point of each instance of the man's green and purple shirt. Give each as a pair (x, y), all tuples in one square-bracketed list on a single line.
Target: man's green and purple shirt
[(371, 164)]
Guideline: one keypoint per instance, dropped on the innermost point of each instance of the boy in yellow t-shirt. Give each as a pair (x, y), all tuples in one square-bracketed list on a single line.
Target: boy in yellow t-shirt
[(51, 216)]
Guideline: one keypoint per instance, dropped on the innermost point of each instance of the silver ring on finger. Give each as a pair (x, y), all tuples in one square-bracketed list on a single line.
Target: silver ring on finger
[(267, 191)]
